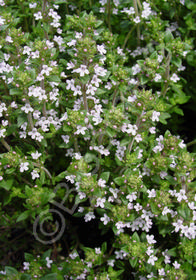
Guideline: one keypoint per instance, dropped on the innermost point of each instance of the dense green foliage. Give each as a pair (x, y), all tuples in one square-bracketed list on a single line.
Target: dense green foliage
[(97, 163)]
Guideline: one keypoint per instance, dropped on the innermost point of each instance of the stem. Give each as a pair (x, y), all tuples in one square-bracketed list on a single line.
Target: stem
[(5, 144), (84, 98), (44, 6), (30, 120), (127, 37), (42, 167), (166, 74), (191, 143), (137, 124), (109, 14), (76, 145), (139, 4), (138, 27), (114, 97), (44, 109), (131, 145)]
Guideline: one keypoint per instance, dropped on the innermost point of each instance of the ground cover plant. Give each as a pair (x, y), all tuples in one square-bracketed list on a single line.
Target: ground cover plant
[(97, 163)]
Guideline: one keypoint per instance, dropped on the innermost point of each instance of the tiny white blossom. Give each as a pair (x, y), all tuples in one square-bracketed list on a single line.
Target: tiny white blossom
[(137, 19), (155, 116), (176, 265), (157, 77), (26, 265), (152, 259), (174, 78), (89, 216), (24, 166), (36, 155), (38, 15), (82, 70), (105, 219), (48, 262)]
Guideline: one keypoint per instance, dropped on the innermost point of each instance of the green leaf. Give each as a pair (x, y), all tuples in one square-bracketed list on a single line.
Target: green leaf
[(119, 181), (10, 271), (125, 141), (28, 257), (23, 216), (105, 176), (15, 91), (180, 96), (110, 132), (54, 78), (135, 236), (6, 184), (177, 61), (51, 276), (168, 37), (47, 254), (163, 117), (25, 277), (89, 157), (133, 262)]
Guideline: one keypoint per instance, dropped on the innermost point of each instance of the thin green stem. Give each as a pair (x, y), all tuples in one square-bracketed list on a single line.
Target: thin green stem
[(76, 145), (109, 14), (127, 37), (5, 144), (191, 143), (137, 15), (42, 167)]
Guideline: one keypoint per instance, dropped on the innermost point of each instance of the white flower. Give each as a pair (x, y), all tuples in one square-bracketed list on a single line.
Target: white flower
[(97, 251), (152, 130), (101, 49), (48, 262), (101, 183), (152, 259), (151, 193), (136, 69), (89, 216), (163, 174), (174, 78), (100, 71), (132, 98), (27, 108), (182, 145), (157, 77), (80, 130), (71, 178), (82, 70), (161, 272), (24, 166), (176, 265), (138, 138), (38, 15), (2, 132), (36, 155), (34, 174), (150, 239), (160, 58), (111, 262), (100, 202), (155, 116), (9, 39), (105, 219), (32, 5), (26, 265), (137, 19)]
